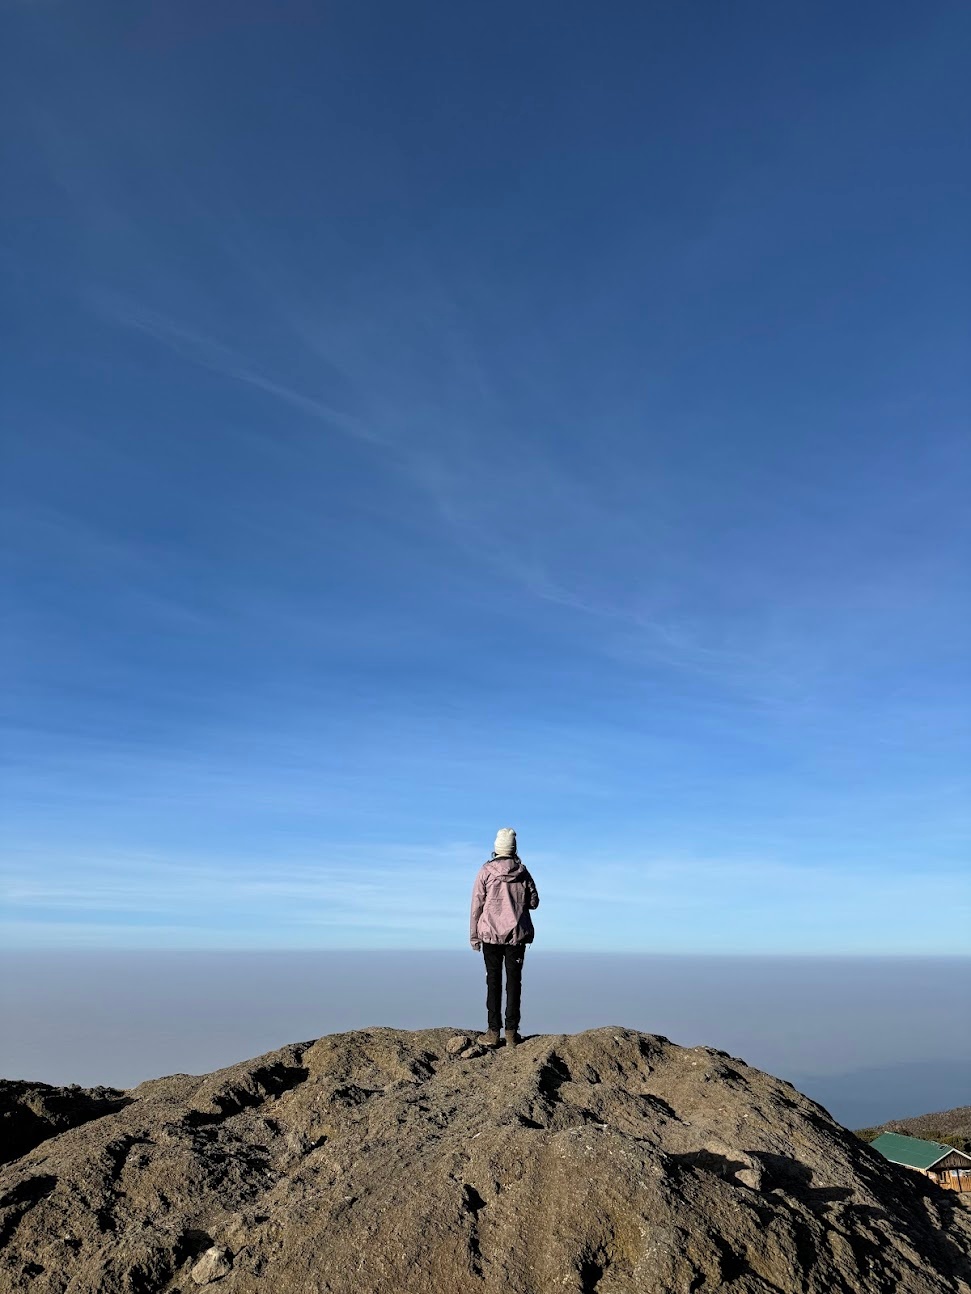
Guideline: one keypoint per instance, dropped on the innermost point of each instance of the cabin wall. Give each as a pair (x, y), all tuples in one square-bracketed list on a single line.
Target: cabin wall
[(952, 1179), (954, 1160)]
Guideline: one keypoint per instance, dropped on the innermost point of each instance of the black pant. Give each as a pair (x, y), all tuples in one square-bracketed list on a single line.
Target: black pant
[(495, 956)]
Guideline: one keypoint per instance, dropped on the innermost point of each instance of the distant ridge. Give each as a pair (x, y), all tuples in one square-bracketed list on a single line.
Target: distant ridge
[(391, 1162), (952, 1127)]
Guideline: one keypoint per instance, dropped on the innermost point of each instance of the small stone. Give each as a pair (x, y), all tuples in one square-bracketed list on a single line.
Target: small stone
[(457, 1044), (214, 1264)]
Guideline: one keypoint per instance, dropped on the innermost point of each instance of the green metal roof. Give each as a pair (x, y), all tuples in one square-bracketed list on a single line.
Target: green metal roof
[(912, 1151)]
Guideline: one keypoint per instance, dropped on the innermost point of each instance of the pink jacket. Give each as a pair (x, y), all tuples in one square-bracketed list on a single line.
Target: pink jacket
[(502, 896)]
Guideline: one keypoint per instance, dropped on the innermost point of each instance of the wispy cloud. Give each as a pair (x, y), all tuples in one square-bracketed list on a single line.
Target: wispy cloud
[(452, 446), (391, 893), (222, 359), (429, 402), (402, 896)]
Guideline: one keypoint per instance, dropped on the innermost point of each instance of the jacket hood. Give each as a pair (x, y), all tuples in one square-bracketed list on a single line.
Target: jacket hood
[(506, 869)]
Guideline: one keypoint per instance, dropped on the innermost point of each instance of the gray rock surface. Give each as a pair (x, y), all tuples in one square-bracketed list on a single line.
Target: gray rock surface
[(32, 1112), (382, 1162)]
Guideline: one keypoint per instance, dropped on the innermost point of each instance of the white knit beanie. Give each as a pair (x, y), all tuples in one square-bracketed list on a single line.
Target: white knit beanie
[(505, 846)]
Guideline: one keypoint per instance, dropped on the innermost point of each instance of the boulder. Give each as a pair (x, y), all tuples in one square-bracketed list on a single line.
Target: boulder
[(609, 1161)]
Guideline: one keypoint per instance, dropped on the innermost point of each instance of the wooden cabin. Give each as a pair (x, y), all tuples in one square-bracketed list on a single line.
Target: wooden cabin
[(948, 1167)]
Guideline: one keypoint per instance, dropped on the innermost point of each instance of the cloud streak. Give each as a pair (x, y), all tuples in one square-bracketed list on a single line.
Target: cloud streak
[(410, 898), (221, 359), (471, 487)]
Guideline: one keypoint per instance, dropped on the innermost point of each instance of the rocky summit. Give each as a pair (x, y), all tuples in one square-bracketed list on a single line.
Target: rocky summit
[(381, 1160)]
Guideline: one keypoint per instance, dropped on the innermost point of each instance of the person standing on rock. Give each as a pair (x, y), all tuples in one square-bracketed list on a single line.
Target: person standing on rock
[(503, 895)]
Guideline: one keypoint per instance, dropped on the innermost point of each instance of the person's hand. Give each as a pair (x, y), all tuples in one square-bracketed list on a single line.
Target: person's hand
[(476, 945)]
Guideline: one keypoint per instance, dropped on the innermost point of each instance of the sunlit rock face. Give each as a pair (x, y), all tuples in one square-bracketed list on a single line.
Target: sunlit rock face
[(385, 1160)]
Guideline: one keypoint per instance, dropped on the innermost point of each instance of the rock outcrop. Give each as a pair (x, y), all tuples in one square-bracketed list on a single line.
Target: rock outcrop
[(386, 1162), (32, 1112)]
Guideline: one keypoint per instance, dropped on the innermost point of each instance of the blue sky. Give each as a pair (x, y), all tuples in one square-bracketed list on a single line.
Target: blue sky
[(421, 419)]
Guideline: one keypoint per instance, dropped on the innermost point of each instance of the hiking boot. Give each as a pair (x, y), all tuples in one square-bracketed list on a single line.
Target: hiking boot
[(512, 1038), (489, 1039)]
